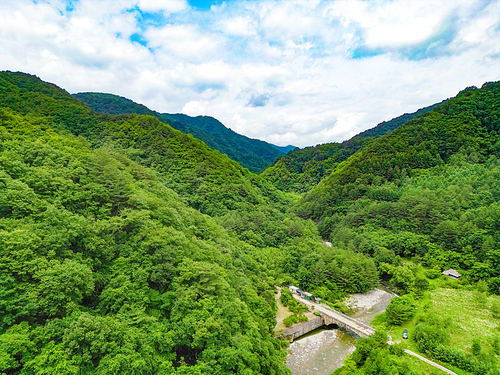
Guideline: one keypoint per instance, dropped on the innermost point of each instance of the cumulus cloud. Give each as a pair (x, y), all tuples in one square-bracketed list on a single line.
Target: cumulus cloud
[(296, 72), (170, 6), (182, 42), (239, 26)]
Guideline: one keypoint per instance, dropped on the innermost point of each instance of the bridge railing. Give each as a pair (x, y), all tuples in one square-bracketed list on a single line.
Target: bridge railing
[(349, 318), (338, 312)]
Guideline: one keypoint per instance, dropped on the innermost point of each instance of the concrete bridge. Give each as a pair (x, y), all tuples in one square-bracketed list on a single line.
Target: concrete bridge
[(331, 316)]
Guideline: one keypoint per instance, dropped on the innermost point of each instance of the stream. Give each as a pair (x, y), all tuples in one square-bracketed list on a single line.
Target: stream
[(322, 351)]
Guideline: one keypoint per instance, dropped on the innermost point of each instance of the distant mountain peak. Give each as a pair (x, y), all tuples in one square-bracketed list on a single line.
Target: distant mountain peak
[(253, 154)]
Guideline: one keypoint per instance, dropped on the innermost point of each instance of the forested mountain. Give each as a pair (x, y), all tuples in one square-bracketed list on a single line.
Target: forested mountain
[(285, 149), (129, 247), (108, 264), (428, 189), (301, 169), (104, 270), (253, 154), (420, 200), (388, 126)]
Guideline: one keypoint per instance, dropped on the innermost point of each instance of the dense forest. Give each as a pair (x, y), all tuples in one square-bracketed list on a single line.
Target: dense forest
[(127, 246), (428, 189), (301, 169), (251, 153), (426, 194)]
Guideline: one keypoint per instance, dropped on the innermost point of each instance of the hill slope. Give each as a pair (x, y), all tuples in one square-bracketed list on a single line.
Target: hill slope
[(104, 270), (429, 188), (301, 169), (251, 153), (425, 195), (107, 264), (204, 178)]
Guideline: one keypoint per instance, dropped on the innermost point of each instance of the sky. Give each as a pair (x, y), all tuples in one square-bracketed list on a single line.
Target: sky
[(299, 72)]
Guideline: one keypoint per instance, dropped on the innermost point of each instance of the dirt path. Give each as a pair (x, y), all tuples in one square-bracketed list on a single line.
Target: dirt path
[(283, 312), (430, 362)]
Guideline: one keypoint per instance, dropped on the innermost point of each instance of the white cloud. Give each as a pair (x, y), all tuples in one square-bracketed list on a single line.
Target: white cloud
[(286, 20), (392, 23), (239, 26), (170, 6), (292, 57), (182, 41)]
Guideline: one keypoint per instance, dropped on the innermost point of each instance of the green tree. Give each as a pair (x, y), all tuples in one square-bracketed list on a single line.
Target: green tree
[(400, 309)]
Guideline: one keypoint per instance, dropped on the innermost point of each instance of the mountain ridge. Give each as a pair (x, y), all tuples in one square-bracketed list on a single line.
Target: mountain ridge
[(301, 169), (127, 246), (253, 154)]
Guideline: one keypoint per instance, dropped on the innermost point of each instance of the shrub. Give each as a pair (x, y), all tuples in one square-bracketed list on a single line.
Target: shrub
[(433, 273), (397, 350), (290, 320), (303, 318), (286, 296), (400, 310), (420, 285)]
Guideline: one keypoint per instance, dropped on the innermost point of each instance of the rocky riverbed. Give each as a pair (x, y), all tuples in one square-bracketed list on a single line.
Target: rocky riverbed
[(322, 351)]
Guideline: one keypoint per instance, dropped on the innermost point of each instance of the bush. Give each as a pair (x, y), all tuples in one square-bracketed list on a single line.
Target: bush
[(286, 296), (495, 309), (433, 273), (397, 350), (400, 310), (290, 320), (297, 308), (420, 285), (476, 347)]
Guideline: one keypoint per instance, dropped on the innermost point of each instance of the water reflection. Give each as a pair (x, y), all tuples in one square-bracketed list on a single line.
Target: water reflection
[(324, 350)]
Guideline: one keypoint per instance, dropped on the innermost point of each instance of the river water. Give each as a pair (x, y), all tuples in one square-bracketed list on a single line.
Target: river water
[(322, 351)]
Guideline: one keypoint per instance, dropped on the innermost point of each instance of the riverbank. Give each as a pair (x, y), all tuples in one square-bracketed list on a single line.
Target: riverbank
[(324, 351), (283, 312)]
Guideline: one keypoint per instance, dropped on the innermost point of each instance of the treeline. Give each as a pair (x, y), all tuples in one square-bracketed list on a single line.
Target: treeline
[(253, 154), (204, 178), (127, 246), (105, 270)]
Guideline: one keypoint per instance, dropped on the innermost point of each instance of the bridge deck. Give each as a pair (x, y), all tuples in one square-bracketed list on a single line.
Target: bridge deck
[(360, 328), (339, 318)]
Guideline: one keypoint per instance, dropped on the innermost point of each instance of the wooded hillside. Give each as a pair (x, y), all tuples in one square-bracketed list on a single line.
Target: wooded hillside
[(302, 169), (251, 153)]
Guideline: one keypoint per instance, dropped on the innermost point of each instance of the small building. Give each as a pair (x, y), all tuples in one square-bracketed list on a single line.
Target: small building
[(452, 273), (308, 296), (292, 288), (300, 293)]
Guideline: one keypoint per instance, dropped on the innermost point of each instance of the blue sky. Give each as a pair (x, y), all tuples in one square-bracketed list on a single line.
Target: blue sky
[(298, 72), (203, 4)]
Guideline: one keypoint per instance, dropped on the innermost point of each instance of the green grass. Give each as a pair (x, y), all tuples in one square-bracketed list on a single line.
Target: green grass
[(469, 311), (470, 314)]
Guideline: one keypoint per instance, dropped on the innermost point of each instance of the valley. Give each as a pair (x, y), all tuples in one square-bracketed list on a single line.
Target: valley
[(130, 247)]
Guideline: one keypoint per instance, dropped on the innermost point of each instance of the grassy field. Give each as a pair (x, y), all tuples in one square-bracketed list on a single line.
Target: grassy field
[(469, 311), (470, 314)]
